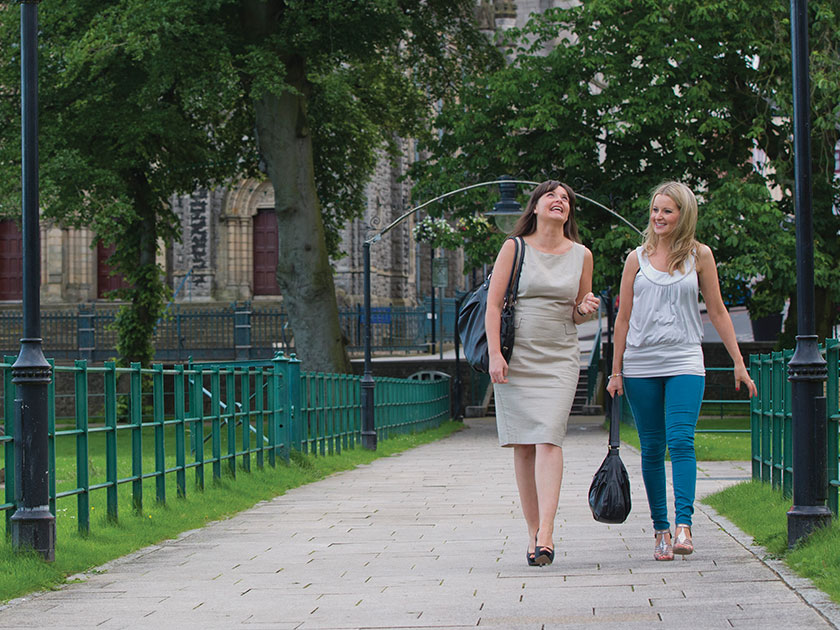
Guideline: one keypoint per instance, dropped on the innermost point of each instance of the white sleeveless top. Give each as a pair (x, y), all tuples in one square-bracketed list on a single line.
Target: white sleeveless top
[(666, 331)]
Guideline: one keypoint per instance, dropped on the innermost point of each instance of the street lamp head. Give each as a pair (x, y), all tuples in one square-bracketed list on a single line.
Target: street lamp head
[(507, 210)]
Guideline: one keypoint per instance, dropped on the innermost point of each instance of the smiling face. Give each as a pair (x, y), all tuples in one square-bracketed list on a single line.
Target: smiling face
[(550, 201), (664, 216), (554, 205)]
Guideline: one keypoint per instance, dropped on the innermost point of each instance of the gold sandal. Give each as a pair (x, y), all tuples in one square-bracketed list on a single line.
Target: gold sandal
[(682, 540), (663, 549)]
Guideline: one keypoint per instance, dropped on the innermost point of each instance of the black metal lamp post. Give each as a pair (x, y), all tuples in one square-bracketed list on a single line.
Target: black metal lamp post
[(368, 425), (32, 524), (807, 370)]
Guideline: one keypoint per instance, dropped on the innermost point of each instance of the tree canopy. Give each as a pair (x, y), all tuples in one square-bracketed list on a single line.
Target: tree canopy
[(631, 93), (135, 105), (141, 99)]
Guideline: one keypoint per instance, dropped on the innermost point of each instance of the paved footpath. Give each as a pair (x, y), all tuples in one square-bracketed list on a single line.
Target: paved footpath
[(433, 538)]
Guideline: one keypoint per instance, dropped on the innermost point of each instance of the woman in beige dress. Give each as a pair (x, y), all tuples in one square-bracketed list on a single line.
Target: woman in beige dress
[(534, 391)]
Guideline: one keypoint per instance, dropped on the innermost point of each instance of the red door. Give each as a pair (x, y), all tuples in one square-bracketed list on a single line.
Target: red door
[(104, 280), (265, 252), (11, 261)]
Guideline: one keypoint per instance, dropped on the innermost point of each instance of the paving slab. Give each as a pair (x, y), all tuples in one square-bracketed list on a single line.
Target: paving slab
[(434, 538)]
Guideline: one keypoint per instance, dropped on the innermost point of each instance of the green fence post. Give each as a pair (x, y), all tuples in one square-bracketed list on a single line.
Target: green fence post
[(111, 474), (318, 411), (293, 406), (272, 401), (160, 433), (136, 419), (304, 422), (357, 410), (778, 388), (347, 412), (378, 414), (330, 411), (245, 395), (787, 428), (180, 433), (755, 418), (230, 395), (832, 357), (9, 432), (51, 435), (259, 408), (278, 429), (766, 416), (338, 411), (398, 422), (382, 415), (216, 422), (326, 406), (197, 417), (82, 451)]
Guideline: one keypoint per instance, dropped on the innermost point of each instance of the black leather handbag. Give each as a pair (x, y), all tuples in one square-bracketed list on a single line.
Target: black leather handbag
[(609, 494), (471, 317)]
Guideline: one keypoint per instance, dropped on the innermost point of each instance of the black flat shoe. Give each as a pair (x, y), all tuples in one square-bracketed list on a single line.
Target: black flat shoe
[(543, 556)]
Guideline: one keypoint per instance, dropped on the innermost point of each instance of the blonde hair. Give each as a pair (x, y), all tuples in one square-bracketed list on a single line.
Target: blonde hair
[(683, 243)]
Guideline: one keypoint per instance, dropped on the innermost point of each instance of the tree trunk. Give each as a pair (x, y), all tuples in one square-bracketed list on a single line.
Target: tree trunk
[(136, 251), (304, 272)]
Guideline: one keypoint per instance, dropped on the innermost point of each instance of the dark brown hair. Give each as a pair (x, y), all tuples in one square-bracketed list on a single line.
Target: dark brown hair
[(527, 223)]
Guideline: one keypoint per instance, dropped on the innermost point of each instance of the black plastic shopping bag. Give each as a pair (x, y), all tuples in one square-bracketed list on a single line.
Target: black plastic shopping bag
[(609, 493)]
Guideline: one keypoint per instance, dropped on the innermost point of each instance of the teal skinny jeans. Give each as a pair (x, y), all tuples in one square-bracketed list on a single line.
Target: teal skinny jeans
[(665, 409)]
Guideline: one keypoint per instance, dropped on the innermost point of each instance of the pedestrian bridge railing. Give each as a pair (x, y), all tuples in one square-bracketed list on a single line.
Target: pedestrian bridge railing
[(134, 430), (771, 421)]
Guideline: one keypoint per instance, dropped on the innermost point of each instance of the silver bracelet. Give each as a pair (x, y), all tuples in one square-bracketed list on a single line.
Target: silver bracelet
[(577, 308)]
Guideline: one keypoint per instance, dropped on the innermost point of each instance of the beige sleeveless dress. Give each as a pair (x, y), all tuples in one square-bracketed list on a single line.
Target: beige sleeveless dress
[(533, 406)]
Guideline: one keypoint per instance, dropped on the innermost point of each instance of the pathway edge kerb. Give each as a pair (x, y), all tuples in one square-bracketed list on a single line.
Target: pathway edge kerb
[(803, 587)]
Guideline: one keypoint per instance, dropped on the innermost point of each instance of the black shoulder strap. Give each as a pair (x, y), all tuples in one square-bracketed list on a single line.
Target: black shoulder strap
[(516, 270)]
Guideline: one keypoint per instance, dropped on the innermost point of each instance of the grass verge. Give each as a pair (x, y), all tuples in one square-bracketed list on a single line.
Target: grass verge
[(761, 512), (709, 447), (22, 573)]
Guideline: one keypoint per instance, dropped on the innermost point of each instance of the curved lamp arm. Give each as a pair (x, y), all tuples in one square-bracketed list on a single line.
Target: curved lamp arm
[(408, 213)]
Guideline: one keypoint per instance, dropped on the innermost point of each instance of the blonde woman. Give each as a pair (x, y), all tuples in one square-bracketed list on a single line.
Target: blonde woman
[(658, 357)]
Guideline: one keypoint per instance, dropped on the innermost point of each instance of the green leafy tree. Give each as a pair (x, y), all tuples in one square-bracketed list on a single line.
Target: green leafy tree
[(332, 84), (153, 97), (135, 105), (631, 93)]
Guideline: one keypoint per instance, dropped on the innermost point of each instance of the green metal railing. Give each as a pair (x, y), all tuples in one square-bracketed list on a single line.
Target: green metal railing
[(771, 421), (158, 424)]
